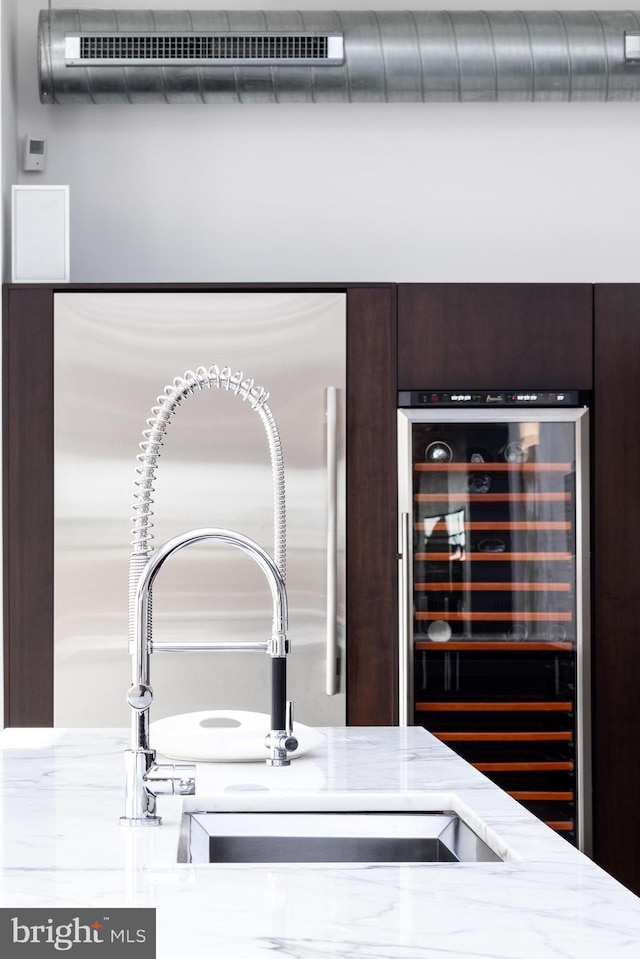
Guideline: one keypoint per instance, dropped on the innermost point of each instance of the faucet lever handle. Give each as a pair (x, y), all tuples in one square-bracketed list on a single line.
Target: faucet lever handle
[(291, 743), (288, 724)]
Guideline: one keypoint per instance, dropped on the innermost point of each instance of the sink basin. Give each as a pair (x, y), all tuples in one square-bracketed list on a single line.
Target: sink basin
[(368, 837)]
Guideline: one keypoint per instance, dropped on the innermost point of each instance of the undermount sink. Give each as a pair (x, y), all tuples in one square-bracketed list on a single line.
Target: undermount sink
[(367, 837)]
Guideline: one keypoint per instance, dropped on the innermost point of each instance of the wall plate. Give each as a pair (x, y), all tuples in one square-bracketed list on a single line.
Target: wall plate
[(40, 234)]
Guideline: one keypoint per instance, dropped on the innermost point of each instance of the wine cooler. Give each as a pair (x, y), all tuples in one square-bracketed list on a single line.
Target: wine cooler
[(494, 590)]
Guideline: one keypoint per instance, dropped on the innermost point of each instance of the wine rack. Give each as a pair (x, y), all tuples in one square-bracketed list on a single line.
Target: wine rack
[(494, 561)]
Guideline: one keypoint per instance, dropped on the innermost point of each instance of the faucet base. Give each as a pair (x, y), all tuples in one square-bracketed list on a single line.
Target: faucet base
[(278, 762), (145, 780), (280, 742), (147, 821)]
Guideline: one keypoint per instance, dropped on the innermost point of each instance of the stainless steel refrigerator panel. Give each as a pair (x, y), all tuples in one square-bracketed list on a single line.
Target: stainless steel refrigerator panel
[(114, 354)]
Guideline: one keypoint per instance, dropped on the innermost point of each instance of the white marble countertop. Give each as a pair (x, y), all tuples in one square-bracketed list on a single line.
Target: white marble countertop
[(62, 796)]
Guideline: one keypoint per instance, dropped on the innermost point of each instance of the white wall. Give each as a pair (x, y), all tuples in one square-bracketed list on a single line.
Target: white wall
[(370, 192)]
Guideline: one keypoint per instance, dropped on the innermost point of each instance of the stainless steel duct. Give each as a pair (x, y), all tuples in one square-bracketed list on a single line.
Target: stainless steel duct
[(145, 56)]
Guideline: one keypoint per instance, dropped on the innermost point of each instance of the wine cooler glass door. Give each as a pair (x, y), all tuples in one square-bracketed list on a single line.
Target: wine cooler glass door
[(494, 597)]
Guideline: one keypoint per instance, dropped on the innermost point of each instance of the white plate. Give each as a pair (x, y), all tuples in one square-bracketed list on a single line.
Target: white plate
[(223, 736)]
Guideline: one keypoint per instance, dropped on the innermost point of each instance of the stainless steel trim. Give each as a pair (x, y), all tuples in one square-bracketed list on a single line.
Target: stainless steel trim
[(519, 414), (583, 640), (332, 675), (405, 657), (405, 571)]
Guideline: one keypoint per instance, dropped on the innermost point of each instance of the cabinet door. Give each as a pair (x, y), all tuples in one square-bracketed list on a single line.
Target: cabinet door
[(616, 571), (27, 471), (372, 667), (494, 336)]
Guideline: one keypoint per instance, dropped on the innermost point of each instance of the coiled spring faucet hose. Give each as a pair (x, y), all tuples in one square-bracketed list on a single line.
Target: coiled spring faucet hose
[(153, 438)]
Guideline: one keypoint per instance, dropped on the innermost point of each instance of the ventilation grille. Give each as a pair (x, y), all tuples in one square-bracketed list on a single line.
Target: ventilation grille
[(189, 48)]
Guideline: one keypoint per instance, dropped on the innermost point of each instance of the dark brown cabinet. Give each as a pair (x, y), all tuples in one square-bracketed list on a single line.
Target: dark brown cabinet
[(495, 336), (574, 336), (500, 691), (27, 349), (408, 337), (616, 581)]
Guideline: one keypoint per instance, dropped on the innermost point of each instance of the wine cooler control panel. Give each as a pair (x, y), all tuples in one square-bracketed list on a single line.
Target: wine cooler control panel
[(494, 592), (494, 399)]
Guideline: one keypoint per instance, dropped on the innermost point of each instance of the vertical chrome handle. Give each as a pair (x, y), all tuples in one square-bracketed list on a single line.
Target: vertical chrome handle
[(405, 695), (332, 540)]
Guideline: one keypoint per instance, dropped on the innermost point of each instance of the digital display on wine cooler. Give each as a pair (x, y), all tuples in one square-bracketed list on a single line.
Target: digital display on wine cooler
[(487, 398)]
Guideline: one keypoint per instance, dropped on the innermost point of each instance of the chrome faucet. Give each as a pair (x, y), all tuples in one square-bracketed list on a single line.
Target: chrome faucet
[(145, 779)]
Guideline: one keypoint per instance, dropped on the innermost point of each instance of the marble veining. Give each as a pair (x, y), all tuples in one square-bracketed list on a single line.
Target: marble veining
[(62, 796)]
